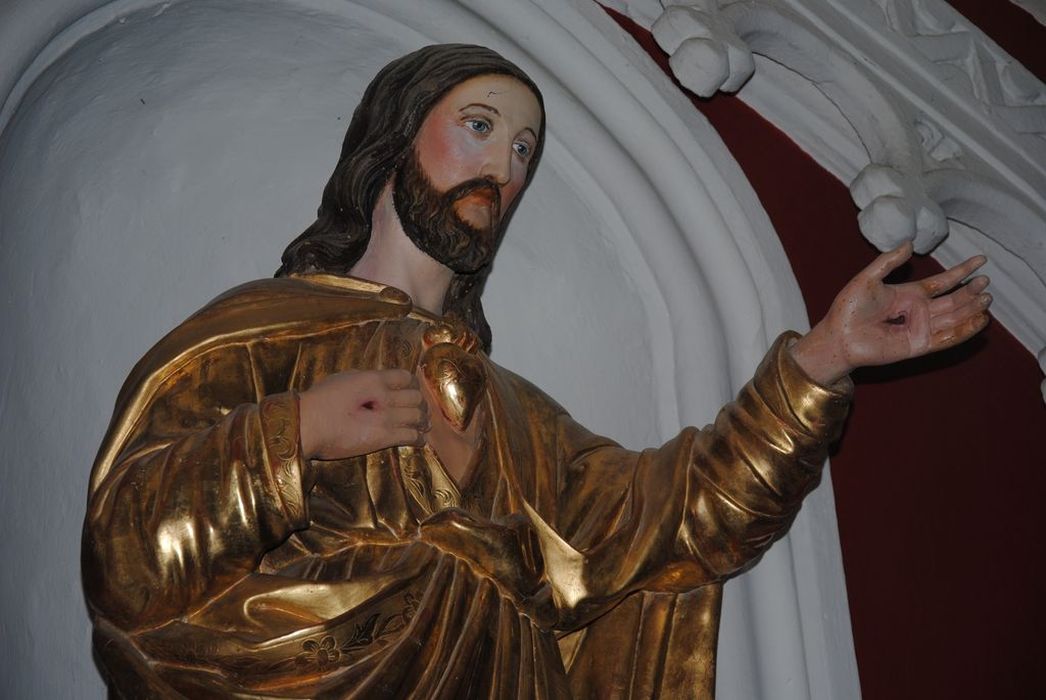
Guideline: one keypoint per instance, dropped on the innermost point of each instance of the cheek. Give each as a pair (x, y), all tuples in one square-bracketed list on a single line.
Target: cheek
[(508, 195), (445, 155)]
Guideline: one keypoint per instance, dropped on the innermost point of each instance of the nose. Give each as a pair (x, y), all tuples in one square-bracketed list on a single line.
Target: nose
[(498, 164)]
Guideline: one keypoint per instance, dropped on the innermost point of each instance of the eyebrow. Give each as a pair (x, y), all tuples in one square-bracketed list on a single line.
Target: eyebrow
[(490, 108), (481, 106)]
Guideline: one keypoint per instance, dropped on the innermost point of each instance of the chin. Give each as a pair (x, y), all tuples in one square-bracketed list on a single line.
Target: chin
[(477, 217)]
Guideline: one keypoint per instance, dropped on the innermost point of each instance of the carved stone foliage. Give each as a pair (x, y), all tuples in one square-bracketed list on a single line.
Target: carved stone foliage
[(896, 208), (949, 125), (971, 61)]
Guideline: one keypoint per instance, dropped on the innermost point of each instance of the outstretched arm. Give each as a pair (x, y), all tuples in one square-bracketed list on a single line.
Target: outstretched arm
[(874, 323)]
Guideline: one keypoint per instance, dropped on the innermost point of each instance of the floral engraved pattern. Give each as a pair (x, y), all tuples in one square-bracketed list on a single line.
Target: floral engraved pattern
[(363, 635), (326, 652), (322, 654)]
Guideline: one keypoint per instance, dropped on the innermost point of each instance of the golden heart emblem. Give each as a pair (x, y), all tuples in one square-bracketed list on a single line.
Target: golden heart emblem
[(456, 379)]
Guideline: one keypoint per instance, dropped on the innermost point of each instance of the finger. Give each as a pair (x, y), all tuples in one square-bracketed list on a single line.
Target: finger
[(958, 317), (411, 417), (398, 379), (406, 397), (407, 437), (888, 262), (965, 294), (943, 281), (423, 422), (426, 420), (953, 336)]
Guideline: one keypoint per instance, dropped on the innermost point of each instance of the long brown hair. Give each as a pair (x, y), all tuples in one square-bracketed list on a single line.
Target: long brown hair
[(379, 138)]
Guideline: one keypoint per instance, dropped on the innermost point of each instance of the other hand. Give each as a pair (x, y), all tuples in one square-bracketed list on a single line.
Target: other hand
[(874, 323), (355, 413)]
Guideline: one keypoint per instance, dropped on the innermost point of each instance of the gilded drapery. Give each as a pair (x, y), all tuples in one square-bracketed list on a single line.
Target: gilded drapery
[(218, 563)]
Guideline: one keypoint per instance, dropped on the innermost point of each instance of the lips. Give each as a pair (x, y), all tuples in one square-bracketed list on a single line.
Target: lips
[(480, 191), (484, 197)]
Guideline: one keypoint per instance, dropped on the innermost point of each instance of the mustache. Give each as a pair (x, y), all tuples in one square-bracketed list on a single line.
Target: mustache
[(480, 185)]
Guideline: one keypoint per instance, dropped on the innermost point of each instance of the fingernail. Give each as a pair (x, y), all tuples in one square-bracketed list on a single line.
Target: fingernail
[(986, 299)]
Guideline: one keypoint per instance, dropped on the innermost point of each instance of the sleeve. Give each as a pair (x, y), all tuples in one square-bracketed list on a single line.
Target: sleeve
[(703, 507), (197, 496)]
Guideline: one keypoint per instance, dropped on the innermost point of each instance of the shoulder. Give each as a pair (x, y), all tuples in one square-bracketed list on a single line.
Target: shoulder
[(269, 309), (214, 339), (523, 399)]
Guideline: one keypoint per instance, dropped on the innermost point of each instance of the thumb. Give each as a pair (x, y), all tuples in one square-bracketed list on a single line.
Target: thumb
[(888, 262)]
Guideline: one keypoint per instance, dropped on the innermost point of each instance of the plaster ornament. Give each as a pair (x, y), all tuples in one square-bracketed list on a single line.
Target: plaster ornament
[(938, 146), (921, 92), (896, 209), (706, 54), (971, 61)]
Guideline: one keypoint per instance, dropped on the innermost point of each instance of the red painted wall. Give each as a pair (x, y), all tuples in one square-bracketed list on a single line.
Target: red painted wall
[(941, 473)]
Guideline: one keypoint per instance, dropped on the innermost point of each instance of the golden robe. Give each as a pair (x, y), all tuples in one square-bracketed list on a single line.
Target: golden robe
[(219, 563)]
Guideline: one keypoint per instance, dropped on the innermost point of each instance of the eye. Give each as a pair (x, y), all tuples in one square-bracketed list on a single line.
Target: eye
[(522, 149), (480, 126)]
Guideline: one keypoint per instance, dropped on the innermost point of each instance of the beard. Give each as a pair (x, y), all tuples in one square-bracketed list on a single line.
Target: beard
[(431, 221)]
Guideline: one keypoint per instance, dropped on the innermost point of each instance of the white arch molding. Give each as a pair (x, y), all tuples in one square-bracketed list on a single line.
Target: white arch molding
[(154, 154), (939, 133)]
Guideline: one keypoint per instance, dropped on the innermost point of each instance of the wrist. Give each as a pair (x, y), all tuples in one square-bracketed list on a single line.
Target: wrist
[(306, 425), (821, 356)]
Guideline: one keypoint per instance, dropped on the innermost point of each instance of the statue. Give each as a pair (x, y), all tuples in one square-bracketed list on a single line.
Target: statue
[(320, 486)]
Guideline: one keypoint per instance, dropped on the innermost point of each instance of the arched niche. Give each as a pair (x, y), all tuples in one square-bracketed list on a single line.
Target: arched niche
[(155, 154)]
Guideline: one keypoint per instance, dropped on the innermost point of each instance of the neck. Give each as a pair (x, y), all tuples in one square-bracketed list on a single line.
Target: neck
[(392, 258)]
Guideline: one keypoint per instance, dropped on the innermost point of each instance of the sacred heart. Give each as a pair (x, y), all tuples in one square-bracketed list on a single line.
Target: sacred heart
[(456, 379)]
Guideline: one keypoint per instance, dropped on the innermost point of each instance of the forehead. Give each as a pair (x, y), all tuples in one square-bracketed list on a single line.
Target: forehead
[(513, 100)]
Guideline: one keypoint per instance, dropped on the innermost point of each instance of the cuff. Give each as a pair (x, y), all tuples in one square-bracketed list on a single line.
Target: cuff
[(282, 438), (817, 409)]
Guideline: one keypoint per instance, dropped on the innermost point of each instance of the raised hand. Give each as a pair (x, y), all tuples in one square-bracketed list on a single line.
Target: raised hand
[(873, 323), (356, 413)]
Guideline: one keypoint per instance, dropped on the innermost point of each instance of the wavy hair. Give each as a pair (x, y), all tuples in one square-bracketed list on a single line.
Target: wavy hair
[(379, 139)]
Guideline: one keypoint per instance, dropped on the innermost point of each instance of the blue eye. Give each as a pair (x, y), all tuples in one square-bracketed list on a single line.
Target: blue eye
[(522, 149), (480, 126)]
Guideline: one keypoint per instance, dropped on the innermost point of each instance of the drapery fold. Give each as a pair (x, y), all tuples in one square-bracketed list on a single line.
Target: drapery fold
[(217, 563)]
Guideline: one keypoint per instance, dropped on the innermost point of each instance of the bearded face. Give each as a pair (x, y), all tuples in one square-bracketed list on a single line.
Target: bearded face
[(432, 221), (469, 162)]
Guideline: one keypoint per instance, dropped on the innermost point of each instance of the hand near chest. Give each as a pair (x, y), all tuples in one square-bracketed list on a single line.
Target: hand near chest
[(350, 414), (355, 413)]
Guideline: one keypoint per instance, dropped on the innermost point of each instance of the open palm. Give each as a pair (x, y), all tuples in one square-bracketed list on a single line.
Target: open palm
[(874, 323)]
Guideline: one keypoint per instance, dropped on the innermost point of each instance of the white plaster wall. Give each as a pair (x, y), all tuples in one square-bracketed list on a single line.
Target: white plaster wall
[(153, 157)]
